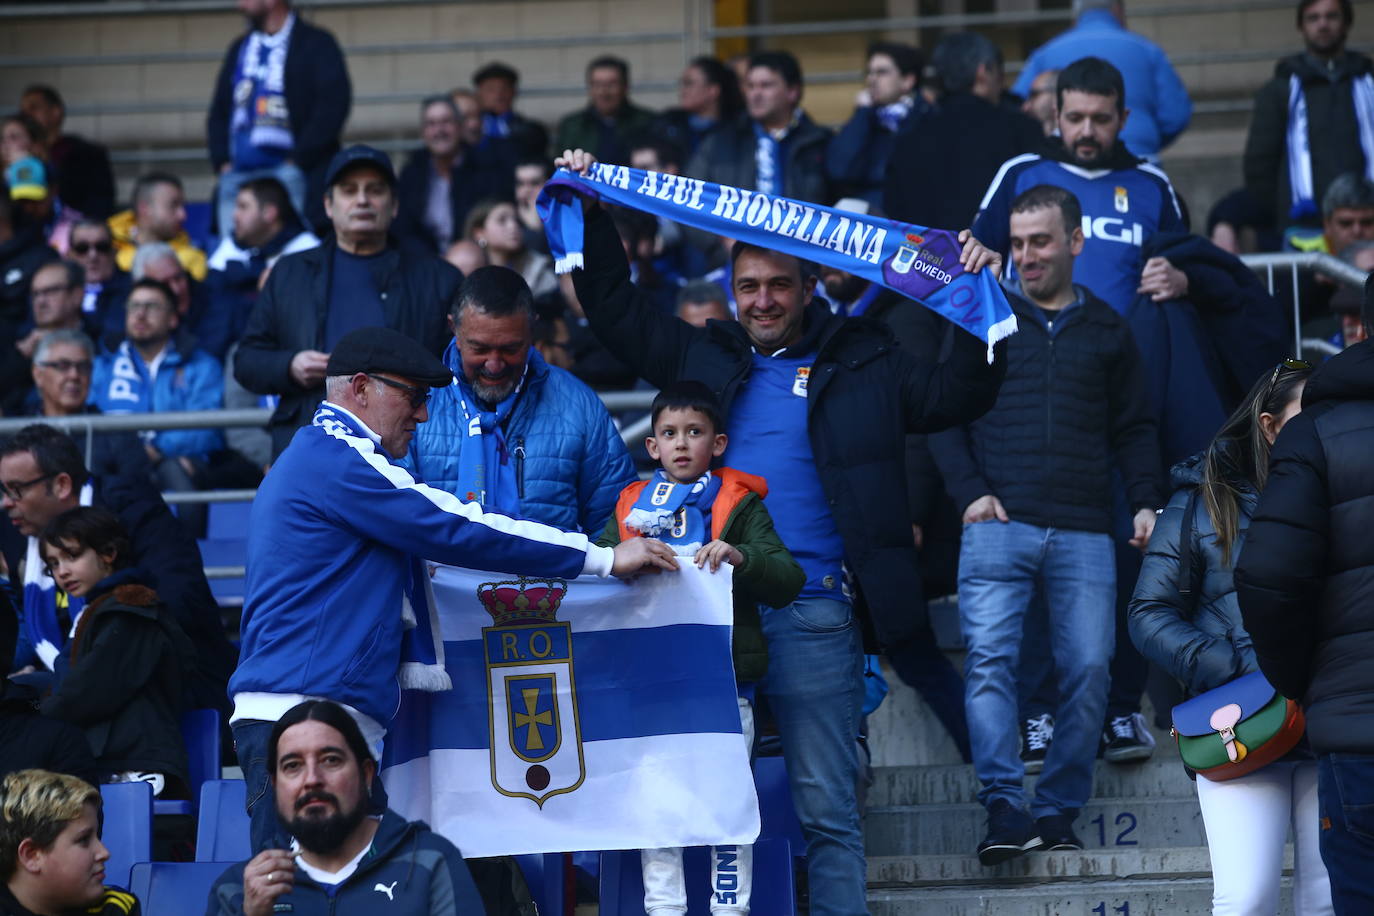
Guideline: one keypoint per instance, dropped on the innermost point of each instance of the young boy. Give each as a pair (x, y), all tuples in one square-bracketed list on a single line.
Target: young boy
[(120, 677), (52, 862), (715, 517)]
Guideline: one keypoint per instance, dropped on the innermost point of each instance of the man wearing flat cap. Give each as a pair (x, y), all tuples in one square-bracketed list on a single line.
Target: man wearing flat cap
[(359, 278), (338, 599)]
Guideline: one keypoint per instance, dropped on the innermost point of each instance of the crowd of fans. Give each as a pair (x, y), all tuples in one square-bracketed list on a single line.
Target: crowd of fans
[(342, 290)]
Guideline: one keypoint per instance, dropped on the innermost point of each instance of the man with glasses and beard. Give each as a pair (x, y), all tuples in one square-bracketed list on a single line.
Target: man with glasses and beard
[(344, 860)]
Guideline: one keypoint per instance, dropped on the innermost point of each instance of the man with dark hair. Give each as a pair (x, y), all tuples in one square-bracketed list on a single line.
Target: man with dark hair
[(279, 106), (359, 278), (80, 168), (497, 84), (156, 214), (1156, 97), (512, 432), (43, 475), (57, 293), (92, 246), (701, 301), (1314, 120), (1303, 580), (266, 228), (969, 126), (825, 402), (610, 118), (445, 177), (1033, 478), (888, 106), (774, 147), (344, 861)]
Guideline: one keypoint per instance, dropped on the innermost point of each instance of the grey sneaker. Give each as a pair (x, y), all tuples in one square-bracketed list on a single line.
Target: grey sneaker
[(1036, 734), (1128, 739)]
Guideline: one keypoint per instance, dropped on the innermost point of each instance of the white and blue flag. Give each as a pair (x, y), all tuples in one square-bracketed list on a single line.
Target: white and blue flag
[(585, 714)]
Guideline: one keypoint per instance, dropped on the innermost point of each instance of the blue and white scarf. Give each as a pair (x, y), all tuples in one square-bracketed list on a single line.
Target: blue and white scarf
[(678, 514), (484, 474), (892, 116), (260, 125), (40, 633), (1301, 189), (917, 262)]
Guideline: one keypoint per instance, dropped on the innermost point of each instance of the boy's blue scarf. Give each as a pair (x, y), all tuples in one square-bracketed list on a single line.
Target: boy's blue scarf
[(678, 514), (915, 261)]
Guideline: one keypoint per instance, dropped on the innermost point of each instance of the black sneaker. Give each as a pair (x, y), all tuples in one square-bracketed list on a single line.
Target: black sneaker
[(1128, 739), (1036, 734), (1010, 833), (1056, 832)]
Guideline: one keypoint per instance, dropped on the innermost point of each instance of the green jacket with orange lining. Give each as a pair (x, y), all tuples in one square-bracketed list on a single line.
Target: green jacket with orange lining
[(769, 575)]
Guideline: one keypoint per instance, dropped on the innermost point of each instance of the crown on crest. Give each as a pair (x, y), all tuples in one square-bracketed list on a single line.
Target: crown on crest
[(523, 600)]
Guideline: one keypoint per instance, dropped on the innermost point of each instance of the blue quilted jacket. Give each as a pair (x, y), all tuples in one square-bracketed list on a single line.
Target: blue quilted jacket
[(570, 461)]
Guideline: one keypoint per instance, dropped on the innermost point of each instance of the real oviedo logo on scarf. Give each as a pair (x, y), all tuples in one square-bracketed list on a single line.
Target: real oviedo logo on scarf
[(915, 261)]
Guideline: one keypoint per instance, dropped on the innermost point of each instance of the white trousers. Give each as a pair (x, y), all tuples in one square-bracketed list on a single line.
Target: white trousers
[(1247, 821), (732, 867)]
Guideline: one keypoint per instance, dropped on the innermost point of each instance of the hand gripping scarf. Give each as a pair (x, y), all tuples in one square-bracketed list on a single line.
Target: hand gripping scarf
[(915, 261)]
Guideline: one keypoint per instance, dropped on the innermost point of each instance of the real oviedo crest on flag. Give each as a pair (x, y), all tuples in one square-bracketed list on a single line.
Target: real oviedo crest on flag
[(536, 739)]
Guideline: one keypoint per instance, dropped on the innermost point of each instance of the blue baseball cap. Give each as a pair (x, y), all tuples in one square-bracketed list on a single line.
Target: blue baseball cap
[(359, 154)]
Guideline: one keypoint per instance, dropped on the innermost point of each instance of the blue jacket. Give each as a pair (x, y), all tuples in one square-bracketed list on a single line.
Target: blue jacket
[(570, 462), (1158, 102), (333, 530), (409, 869), (185, 381), (857, 157)]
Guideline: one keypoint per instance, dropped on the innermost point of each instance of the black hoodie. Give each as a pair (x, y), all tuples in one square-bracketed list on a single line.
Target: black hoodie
[(1305, 577)]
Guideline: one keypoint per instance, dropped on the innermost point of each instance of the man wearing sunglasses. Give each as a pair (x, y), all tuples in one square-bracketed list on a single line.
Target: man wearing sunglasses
[(339, 531), (92, 246)]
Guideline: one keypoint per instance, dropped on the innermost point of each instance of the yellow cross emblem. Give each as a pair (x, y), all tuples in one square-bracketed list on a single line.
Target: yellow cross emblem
[(532, 719)]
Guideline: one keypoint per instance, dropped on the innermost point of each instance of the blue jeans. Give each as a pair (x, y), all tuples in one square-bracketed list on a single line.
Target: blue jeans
[(815, 688), (290, 176), (1000, 568), (1345, 803)]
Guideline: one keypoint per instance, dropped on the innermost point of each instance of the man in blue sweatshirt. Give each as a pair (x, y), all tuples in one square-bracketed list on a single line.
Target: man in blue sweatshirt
[(338, 531)]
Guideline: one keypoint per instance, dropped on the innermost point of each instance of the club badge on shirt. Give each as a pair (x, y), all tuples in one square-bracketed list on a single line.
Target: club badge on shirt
[(1122, 202), (799, 383)]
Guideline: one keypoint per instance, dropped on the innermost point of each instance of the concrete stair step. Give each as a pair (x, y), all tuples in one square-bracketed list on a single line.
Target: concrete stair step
[(1044, 867), (1149, 897), (1163, 777), (1105, 823)]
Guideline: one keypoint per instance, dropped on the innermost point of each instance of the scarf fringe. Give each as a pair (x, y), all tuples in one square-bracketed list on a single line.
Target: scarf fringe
[(1000, 330), (568, 262), (419, 676)]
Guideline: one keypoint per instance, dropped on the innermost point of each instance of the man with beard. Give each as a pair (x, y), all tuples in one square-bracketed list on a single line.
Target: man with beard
[(344, 861), (1126, 203), (359, 278), (280, 103), (543, 445)]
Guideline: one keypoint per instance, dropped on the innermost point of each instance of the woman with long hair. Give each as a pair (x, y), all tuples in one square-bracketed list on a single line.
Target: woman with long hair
[(494, 225), (1201, 641)]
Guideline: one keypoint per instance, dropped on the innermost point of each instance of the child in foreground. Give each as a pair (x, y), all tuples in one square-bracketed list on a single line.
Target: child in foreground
[(120, 677), (52, 862), (714, 516)]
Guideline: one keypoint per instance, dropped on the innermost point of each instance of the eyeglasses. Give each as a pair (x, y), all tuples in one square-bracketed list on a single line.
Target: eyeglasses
[(63, 366), (145, 305), (1292, 365), (415, 394), (48, 291), (84, 248), (15, 491)]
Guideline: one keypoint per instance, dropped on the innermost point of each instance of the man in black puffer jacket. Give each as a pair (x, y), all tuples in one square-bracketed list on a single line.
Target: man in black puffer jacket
[(1305, 580), (1033, 480)]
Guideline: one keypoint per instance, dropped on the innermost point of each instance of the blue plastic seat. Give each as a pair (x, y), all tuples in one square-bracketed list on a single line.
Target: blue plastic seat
[(544, 875), (228, 521), (222, 833), (200, 734), (175, 887), (225, 551), (128, 828)]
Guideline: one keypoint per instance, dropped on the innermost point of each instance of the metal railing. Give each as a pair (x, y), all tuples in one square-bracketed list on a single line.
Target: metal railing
[(1296, 263)]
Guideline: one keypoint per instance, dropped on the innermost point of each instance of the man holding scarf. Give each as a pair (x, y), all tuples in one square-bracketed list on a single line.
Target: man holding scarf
[(280, 103), (512, 432), (817, 404)]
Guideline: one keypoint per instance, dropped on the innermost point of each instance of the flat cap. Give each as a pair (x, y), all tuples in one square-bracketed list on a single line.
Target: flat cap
[(385, 350), (358, 154)]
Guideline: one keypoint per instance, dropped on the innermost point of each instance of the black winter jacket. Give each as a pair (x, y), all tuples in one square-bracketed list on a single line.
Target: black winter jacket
[(478, 177), (120, 680), (865, 393), (318, 98), (1074, 399), (1199, 640), (1332, 129), (290, 316), (1306, 576), (727, 156)]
